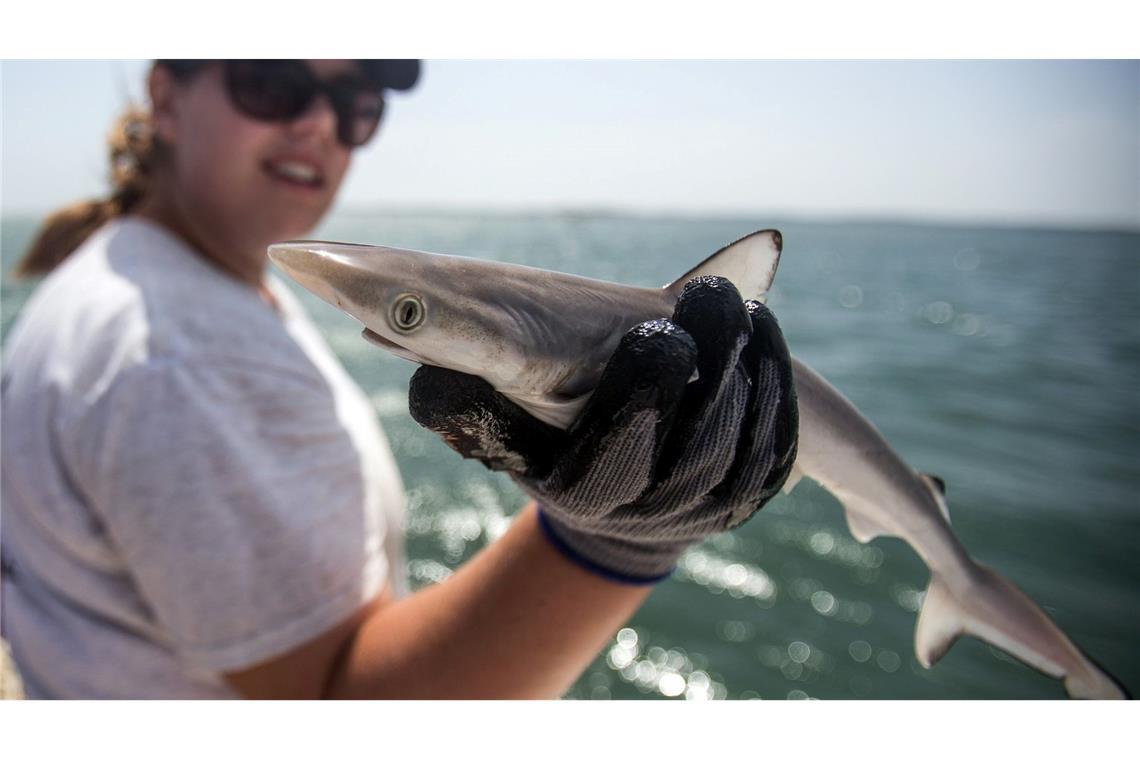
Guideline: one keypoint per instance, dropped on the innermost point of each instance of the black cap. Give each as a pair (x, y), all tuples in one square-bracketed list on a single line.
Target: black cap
[(395, 73)]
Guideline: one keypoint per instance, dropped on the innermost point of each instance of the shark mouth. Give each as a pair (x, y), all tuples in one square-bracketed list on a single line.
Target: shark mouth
[(377, 339)]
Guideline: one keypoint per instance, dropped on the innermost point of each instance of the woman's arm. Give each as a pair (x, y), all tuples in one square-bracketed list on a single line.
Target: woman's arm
[(518, 620)]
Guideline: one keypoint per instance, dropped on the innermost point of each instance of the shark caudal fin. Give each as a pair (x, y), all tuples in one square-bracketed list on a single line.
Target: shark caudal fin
[(749, 264), (994, 610)]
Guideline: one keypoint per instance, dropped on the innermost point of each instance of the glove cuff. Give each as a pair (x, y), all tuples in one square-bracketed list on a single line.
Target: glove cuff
[(613, 559)]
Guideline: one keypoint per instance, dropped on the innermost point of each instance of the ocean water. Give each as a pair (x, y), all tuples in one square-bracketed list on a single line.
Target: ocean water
[(1007, 361)]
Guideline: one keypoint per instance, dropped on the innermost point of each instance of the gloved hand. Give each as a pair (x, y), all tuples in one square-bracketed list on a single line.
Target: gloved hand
[(655, 462)]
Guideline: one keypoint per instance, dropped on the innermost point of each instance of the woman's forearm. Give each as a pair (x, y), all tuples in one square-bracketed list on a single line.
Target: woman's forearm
[(518, 620)]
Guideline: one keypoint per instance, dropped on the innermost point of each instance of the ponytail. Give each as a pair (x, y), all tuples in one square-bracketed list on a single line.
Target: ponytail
[(132, 150)]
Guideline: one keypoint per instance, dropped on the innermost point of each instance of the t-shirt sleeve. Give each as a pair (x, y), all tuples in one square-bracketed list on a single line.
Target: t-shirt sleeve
[(236, 499)]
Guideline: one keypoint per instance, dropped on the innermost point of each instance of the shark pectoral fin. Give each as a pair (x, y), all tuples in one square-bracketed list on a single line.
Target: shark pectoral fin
[(939, 624), (863, 529), (749, 264), (794, 477), (559, 412)]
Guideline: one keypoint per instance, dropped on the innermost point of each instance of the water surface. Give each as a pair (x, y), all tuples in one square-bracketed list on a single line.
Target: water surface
[(1007, 361)]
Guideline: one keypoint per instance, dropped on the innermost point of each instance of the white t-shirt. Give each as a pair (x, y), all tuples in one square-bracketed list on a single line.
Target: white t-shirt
[(191, 484)]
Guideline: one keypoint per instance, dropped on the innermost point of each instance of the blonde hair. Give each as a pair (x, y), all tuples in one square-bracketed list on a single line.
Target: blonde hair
[(133, 151)]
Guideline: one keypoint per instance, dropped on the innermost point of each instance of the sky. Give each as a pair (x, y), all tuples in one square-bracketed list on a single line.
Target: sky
[(1052, 143)]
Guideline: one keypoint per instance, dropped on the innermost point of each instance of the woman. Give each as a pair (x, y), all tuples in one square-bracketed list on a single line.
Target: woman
[(199, 502)]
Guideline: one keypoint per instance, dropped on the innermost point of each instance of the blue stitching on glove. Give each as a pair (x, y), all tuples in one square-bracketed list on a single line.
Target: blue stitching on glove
[(593, 567)]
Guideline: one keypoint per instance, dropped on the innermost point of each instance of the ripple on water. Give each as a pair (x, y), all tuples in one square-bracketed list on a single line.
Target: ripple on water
[(671, 684), (792, 670), (735, 631), (823, 602), (424, 572), (826, 545), (851, 296), (389, 403), (967, 324), (670, 672), (598, 678), (859, 650), (803, 588), (482, 518), (859, 613), (799, 652), (720, 575), (861, 686), (888, 660), (967, 259), (822, 543), (938, 312), (908, 597)]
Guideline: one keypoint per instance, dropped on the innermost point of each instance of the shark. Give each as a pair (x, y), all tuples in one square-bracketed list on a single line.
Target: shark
[(542, 338)]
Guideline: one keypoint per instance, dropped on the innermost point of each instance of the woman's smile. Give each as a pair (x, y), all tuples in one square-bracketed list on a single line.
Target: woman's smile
[(295, 171)]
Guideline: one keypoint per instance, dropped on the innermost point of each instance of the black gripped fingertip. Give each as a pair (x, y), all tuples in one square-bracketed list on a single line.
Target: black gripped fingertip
[(710, 306), (755, 307), (650, 368), (436, 395), (657, 346), (637, 395), (711, 311), (480, 423), (708, 286), (767, 344), (767, 338)]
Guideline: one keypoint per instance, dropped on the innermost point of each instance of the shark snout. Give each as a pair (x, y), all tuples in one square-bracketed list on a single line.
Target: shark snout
[(291, 256), (314, 266)]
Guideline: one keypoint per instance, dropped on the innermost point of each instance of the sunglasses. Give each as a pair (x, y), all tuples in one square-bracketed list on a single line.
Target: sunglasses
[(282, 90)]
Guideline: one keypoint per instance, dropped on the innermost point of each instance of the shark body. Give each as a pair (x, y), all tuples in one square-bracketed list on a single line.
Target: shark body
[(542, 338)]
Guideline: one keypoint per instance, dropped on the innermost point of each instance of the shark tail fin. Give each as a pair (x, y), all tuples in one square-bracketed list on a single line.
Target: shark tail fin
[(994, 610), (749, 264)]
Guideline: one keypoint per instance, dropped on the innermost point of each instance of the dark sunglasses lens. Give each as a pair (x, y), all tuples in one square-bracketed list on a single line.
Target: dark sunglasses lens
[(281, 90), (270, 89), (358, 115)]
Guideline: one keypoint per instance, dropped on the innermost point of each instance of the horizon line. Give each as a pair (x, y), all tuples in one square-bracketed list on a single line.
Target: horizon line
[(805, 217), (630, 212)]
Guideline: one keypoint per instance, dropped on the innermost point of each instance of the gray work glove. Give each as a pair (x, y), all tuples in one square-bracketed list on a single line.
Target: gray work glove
[(655, 462)]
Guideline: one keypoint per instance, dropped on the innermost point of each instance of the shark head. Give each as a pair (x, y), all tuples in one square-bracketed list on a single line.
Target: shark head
[(540, 337), (410, 303)]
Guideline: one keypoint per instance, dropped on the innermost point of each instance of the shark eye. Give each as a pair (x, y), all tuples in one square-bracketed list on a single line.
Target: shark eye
[(407, 312)]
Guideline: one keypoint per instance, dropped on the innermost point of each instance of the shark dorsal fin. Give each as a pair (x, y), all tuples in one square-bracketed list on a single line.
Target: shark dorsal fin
[(936, 481), (749, 263), (937, 488)]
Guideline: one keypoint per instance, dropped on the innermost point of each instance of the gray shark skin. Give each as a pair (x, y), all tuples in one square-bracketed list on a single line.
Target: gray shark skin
[(542, 339)]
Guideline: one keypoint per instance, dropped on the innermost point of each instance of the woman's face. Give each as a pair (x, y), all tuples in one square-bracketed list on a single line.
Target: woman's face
[(239, 184)]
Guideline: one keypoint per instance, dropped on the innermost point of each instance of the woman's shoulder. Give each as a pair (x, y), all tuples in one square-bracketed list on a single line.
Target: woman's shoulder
[(133, 294), (192, 309)]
